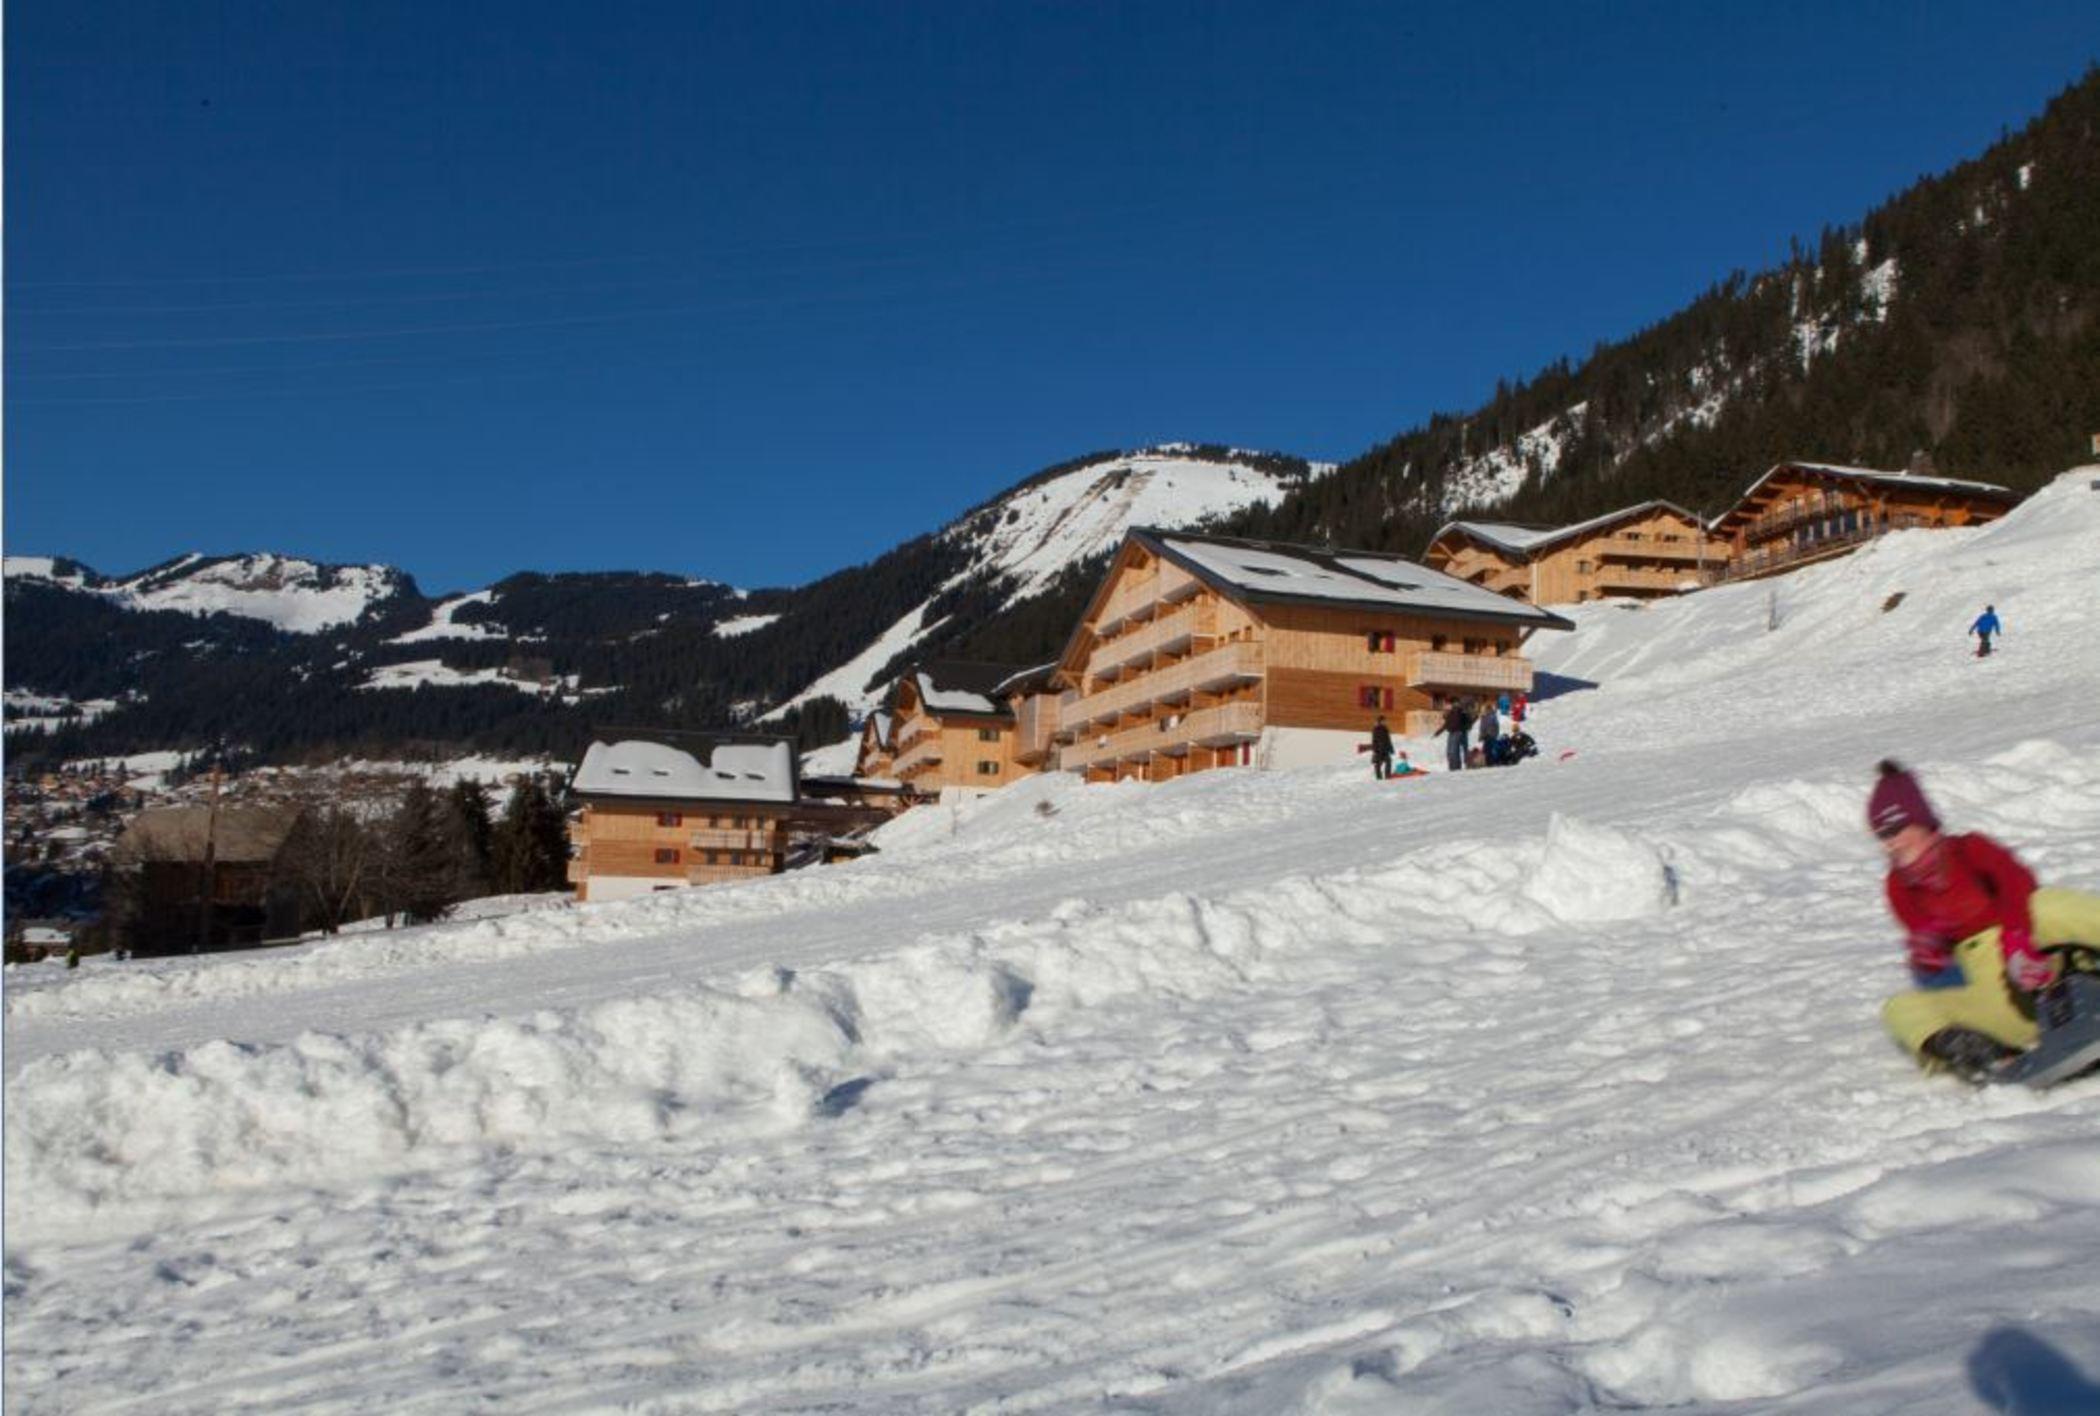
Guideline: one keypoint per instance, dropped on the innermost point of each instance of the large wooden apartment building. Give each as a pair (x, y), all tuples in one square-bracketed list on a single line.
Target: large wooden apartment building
[(1204, 651), (1800, 512), (653, 816), (954, 731), (1655, 548)]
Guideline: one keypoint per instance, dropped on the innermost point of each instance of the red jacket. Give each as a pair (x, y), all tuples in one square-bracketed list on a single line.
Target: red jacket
[(1966, 885)]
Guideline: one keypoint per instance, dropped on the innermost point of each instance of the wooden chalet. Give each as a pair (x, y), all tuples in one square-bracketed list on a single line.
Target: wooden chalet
[(954, 732), (653, 816), (1655, 548), (1801, 512), (1203, 651), (208, 877), (1033, 697), (877, 759)]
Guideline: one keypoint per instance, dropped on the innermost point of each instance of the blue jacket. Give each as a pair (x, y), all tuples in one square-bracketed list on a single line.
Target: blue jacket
[(1986, 623)]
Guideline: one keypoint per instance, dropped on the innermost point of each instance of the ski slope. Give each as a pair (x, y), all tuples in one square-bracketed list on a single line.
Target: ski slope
[(1538, 1090)]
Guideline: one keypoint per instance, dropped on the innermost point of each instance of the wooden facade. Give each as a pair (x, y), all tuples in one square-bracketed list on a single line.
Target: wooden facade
[(1174, 670), (1036, 700), (952, 733), (673, 843), (656, 816), (877, 759), (1640, 552), (1802, 512)]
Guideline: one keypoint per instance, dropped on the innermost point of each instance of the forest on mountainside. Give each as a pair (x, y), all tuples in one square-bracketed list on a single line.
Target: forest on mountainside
[(1959, 321), (1984, 357)]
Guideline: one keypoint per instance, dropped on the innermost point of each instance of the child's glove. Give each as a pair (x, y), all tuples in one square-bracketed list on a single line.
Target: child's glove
[(1929, 954), (2027, 969)]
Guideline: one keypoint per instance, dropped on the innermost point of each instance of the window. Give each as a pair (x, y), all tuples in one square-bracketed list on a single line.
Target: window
[(1379, 641), (670, 818), (667, 855), (1370, 695), (1438, 641), (987, 769), (1474, 646), (714, 857), (988, 735)]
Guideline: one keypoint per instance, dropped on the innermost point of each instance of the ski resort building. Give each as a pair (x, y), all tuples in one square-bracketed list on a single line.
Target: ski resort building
[(877, 759), (1203, 651), (1655, 548), (1800, 512), (659, 817), (955, 733), (1034, 698)]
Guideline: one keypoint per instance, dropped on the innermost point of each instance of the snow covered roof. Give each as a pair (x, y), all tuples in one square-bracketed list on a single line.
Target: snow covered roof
[(237, 835), (1989, 490), (954, 686), (1035, 680), (1524, 542), (731, 771), (1279, 572)]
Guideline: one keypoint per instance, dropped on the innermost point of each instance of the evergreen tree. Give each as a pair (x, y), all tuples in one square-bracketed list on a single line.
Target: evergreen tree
[(530, 846), (469, 804)]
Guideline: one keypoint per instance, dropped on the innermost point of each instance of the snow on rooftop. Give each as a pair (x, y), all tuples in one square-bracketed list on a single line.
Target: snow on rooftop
[(733, 772), (1345, 577)]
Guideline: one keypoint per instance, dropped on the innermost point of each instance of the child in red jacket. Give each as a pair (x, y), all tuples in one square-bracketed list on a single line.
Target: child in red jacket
[(1974, 917)]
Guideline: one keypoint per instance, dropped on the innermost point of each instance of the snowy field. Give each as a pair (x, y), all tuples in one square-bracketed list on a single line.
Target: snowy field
[(1548, 1089)]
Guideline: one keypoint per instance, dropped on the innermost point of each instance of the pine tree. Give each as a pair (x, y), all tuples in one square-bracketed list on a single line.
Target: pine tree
[(469, 805), (531, 842)]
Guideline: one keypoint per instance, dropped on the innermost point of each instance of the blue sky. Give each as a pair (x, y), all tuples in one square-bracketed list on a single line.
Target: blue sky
[(756, 291)]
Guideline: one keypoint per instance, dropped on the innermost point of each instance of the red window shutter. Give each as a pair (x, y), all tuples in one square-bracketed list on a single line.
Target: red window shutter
[(1386, 698)]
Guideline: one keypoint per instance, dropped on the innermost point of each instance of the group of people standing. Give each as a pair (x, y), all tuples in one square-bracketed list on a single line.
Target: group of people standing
[(1466, 719), (1463, 719)]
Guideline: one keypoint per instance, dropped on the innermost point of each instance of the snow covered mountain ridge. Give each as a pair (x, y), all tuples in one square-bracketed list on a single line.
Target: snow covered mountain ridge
[(295, 595), (1019, 543)]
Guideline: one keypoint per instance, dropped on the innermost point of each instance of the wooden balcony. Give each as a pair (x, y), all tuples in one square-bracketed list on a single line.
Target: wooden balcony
[(913, 731), (1650, 548), (1137, 599), (1469, 672), (1608, 578), (1786, 555), (1238, 662), (1035, 729), (1170, 736), (729, 839), (923, 756), (1167, 634)]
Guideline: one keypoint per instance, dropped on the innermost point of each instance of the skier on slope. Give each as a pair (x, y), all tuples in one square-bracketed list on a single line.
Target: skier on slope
[(1974, 917), (1986, 626)]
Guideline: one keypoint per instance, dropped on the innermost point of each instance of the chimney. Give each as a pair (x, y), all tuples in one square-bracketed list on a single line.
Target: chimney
[(1921, 465)]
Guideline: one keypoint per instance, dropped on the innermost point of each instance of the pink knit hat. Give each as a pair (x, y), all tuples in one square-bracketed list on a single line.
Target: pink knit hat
[(1898, 801)]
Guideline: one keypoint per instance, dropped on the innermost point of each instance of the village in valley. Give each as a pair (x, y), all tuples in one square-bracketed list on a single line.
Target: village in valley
[(1194, 652), (636, 779)]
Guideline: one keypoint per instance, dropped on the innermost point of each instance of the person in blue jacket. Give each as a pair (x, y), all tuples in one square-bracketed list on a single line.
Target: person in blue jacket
[(1986, 625)]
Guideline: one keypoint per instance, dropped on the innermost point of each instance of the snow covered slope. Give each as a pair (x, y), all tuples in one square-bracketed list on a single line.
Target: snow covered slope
[(298, 596), (1026, 537), (1539, 1090)]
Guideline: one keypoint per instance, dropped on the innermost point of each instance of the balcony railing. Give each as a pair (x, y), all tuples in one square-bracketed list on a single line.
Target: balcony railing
[(1167, 633), (915, 730), (1169, 585), (1752, 564), (1237, 662), (1632, 578), (1430, 669), (922, 756), (730, 839), (1649, 548), (1170, 736)]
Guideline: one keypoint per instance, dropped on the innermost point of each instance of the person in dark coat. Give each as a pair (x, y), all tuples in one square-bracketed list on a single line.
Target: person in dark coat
[(1457, 723), (1381, 749)]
